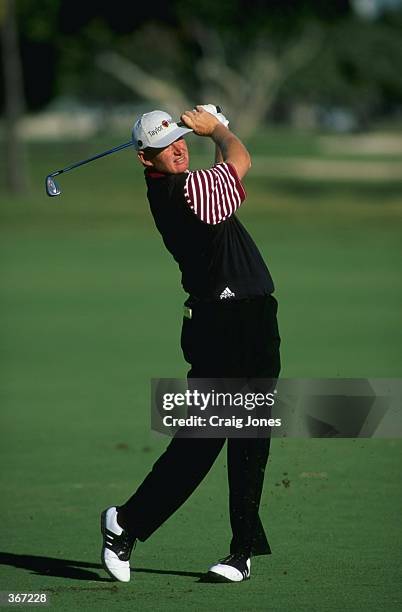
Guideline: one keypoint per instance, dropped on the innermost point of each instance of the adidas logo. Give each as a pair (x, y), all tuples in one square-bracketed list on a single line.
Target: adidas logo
[(226, 293)]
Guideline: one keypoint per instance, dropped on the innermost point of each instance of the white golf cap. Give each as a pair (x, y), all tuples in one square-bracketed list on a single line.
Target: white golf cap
[(157, 130)]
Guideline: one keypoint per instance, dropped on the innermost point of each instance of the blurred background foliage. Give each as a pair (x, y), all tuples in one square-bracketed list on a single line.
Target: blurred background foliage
[(339, 53), (76, 70)]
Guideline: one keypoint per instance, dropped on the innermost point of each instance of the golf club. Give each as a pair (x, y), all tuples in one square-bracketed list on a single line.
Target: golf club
[(53, 188)]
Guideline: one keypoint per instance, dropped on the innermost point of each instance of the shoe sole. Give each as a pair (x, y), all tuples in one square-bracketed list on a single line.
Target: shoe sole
[(213, 577), (103, 531)]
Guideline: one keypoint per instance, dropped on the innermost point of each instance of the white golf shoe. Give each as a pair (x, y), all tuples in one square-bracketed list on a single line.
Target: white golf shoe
[(117, 546), (234, 568)]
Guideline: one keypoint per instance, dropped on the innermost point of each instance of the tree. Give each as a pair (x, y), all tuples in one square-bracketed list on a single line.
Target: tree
[(16, 174), (246, 87)]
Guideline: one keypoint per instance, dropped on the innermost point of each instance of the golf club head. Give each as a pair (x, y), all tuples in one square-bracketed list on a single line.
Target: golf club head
[(52, 188)]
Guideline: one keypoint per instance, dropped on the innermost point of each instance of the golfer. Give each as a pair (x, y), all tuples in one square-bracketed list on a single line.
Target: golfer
[(229, 331)]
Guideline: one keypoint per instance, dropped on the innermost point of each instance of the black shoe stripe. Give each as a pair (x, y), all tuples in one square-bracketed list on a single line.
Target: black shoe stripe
[(121, 545)]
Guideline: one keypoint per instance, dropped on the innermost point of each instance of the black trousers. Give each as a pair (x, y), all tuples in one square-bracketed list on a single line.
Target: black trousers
[(227, 339)]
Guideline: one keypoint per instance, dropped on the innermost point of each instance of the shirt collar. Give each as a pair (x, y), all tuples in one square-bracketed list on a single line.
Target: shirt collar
[(154, 174), (150, 173)]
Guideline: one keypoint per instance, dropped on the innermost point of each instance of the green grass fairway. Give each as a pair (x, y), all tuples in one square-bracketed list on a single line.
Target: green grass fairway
[(91, 310)]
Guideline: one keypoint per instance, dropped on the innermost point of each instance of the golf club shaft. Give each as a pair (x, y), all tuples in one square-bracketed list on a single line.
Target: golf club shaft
[(108, 152), (86, 161)]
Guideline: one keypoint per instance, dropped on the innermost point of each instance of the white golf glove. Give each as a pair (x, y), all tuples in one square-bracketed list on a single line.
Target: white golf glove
[(211, 108)]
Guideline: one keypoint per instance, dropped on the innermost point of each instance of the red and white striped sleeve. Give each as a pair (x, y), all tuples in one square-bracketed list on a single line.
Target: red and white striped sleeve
[(215, 194)]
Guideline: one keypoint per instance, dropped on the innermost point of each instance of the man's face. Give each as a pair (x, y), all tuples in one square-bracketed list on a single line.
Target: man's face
[(173, 159)]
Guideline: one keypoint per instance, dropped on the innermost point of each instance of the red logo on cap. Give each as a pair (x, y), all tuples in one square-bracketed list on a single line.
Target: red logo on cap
[(165, 123)]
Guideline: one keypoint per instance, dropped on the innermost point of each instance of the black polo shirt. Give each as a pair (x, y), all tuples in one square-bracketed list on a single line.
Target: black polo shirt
[(194, 212)]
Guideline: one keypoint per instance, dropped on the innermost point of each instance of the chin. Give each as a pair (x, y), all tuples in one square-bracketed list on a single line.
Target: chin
[(178, 169)]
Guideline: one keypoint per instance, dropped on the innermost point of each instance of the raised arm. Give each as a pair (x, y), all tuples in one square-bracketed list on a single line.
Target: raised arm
[(231, 148), (218, 155)]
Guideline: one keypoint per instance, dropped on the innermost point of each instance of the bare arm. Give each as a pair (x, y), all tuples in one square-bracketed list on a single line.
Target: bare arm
[(218, 155), (230, 147)]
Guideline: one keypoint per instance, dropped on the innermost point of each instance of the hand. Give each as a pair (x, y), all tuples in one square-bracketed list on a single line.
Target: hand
[(223, 119), (216, 111), (200, 121)]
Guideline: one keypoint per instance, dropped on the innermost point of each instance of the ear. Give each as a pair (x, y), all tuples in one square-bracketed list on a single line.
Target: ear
[(144, 160)]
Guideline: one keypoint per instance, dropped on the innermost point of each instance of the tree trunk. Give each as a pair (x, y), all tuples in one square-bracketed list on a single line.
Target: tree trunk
[(16, 174)]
